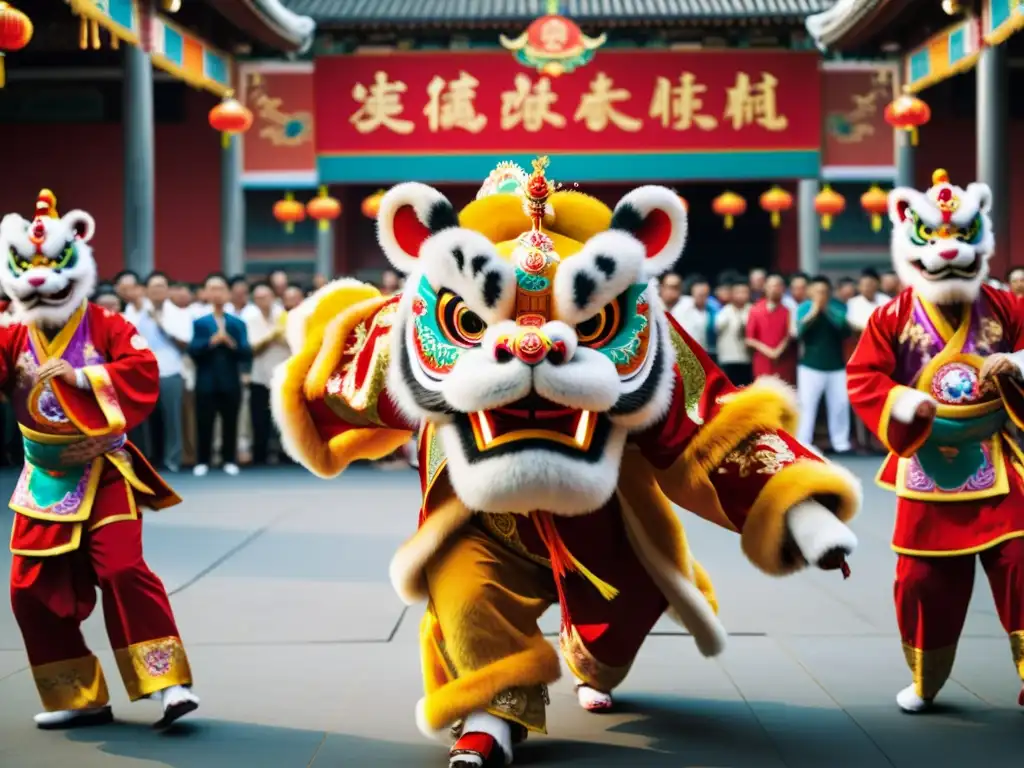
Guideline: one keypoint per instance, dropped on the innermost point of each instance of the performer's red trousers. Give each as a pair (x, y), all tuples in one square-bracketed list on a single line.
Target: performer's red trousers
[(52, 596), (932, 596)]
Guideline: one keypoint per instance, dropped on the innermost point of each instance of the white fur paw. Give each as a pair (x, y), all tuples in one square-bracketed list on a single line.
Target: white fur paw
[(909, 701), (592, 699), (904, 410), (818, 532)]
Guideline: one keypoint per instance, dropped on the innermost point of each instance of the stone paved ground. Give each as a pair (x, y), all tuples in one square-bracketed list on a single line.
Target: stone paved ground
[(304, 656)]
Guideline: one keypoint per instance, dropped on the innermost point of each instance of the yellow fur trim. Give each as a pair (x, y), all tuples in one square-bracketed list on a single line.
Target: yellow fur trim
[(767, 404), (703, 582), (446, 515), (476, 690), (764, 533), (298, 431), (578, 216), (333, 342)]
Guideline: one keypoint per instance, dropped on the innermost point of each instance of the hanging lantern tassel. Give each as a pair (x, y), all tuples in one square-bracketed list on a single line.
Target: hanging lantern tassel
[(826, 221), (225, 140), (95, 35), (876, 222), (729, 221), (3, 72), (913, 135), (83, 33), (776, 219)]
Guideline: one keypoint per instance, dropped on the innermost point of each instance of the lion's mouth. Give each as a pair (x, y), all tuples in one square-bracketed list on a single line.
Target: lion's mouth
[(49, 298), (967, 272), (534, 422)]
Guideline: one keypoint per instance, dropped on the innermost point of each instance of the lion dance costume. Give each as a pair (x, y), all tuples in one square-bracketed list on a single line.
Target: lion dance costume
[(937, 376), (559, 412), (79, 377)]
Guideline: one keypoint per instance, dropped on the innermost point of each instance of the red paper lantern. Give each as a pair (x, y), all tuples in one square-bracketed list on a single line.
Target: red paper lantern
[(371, 204), (829, 204), (230, 117), (15, 33), (908, 113), (876, 202), (323, 208), (729, 205), (289, 212), (776, 201)]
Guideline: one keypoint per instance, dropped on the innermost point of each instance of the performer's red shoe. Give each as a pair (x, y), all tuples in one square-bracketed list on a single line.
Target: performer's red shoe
[(477, 750)]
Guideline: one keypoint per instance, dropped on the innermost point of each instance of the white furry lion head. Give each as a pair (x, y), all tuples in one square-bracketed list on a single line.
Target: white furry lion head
[(528, 335), (942, 239), (48, 268)]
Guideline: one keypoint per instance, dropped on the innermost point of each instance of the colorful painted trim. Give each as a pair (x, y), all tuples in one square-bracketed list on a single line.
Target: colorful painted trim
[(175, 51), (949, 52), (153, 665), (1000, 19), (470, 168)]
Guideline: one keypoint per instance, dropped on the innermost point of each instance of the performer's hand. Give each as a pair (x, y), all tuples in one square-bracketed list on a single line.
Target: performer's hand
[(59, 369), (228, 341), (87, 450), (926, 410), (996, 365), (217, 339)]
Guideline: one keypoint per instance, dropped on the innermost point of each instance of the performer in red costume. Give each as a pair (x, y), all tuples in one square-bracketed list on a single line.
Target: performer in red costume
[(937, 376), (79, 378)]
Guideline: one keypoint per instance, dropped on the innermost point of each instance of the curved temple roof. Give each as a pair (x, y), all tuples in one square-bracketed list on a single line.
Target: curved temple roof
[(385, 12), (831, 25), (271, 21)]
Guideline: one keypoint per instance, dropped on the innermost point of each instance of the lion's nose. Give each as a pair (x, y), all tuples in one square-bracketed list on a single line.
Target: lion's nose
[(529, 346), (35, 282), (949, 254)]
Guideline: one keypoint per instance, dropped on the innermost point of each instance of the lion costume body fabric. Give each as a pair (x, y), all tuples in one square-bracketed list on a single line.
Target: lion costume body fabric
[(560, 412), (937, 376)]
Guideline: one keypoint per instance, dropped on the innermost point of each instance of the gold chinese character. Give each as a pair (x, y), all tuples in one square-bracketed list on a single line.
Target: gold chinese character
[(748, 103), (380, 105), (530, 104), (680, 105), (597, 108), (451, 104)]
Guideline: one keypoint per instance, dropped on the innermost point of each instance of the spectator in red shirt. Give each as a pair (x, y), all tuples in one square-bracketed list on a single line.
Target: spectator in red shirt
[(768, 334)]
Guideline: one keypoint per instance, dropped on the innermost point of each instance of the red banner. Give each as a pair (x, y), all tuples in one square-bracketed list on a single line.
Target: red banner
[(627, 101)]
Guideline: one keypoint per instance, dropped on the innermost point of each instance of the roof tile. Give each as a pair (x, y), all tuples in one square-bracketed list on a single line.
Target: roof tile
[(411, 11)]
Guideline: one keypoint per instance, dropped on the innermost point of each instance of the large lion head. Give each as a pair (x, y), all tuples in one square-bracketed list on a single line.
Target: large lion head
[(942, 239), (528, 335), (48, 268)]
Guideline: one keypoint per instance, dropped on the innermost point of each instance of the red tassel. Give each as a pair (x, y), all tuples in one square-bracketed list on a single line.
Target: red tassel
[(845, 569)]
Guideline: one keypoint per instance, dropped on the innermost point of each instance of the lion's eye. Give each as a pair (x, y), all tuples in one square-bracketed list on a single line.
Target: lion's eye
[(969, 233), (597, 330), (68, 255), (18, 263), (460, 325)]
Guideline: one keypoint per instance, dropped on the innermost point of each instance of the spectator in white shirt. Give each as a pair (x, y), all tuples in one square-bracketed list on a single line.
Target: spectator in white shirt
[(293, 296), (125, 283), (670, 290), (731, 336), (695, 316), (168, 331), (796, 293), (240, 303), (868, 299), (183, 297), (891, 284), (279, 283), (266, 329)]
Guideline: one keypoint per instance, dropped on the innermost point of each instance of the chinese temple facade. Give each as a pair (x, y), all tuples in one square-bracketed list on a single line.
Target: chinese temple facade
[(731, 103), (108, 106), (962, 60)]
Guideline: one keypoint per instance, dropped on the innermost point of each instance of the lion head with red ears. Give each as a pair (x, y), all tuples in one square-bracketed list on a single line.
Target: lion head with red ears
[(48, 268), (942, 239), (528, 333)]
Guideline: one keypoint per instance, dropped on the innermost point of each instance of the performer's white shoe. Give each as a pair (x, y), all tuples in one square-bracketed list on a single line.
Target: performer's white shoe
[(231, 469), (592, 699), (74, 718), (201, 470), (909, 701), (177, 702)]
